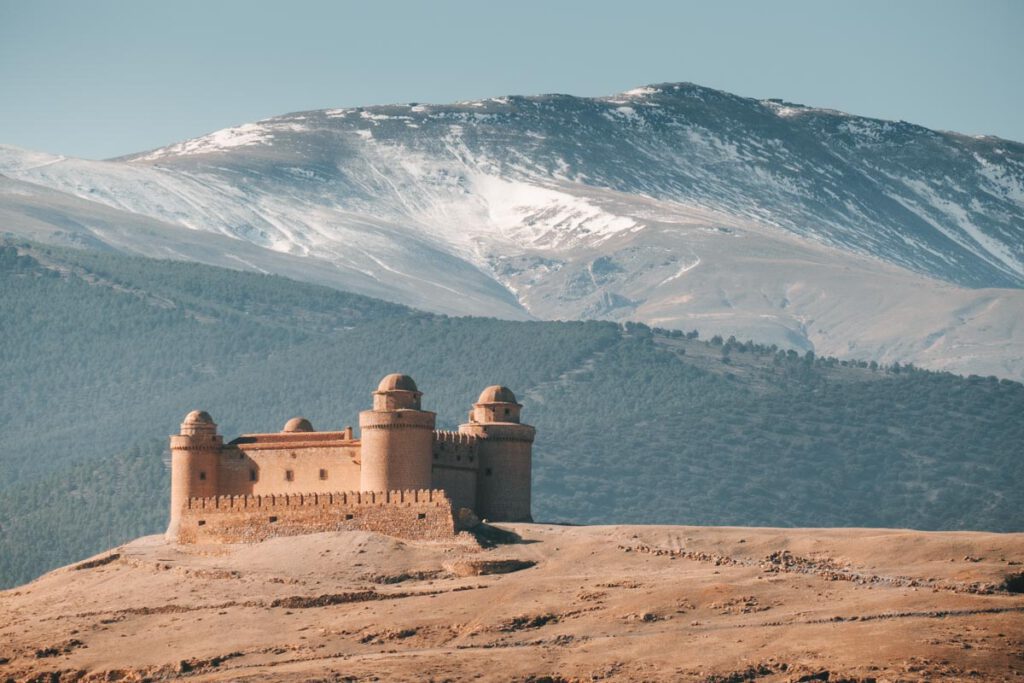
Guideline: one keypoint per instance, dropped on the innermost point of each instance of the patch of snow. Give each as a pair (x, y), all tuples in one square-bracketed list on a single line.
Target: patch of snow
[(989, 247), (15, 159), (686, 268), (370, 116), (718, 149), (788, 112), (229, 138), (247, 262), (1005, 184), (641, 91), (535, 216)]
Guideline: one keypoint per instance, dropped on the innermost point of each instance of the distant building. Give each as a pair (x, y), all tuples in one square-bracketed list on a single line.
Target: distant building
[(402, 477)]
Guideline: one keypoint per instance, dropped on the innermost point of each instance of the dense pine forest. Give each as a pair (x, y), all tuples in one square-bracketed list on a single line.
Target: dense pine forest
[(101, 355)]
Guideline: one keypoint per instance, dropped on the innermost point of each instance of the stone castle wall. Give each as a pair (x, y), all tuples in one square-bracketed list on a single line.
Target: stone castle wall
[(283, 483), (289, 466), (505, 463), (395, 449), (416, 514), (455, 463)]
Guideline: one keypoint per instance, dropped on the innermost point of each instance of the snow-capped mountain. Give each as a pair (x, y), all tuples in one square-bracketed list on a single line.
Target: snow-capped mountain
[(677, 205)]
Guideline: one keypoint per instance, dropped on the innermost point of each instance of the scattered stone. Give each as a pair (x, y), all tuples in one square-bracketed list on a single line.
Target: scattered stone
[(482, 567), (819, 676), (421, 575), (303, 602), (59, 649), (524, 622), (98, 562)]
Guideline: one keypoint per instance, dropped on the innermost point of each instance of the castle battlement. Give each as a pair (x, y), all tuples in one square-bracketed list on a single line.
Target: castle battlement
[(445, 437), (416, 514), (339, 498), (401, 476)]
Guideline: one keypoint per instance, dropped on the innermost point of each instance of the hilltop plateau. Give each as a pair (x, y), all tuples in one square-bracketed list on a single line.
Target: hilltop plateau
[(564, 603)]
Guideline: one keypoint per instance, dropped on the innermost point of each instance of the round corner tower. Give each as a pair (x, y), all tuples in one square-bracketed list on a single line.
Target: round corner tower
[(195, 458), (396, 438), (506, 453)]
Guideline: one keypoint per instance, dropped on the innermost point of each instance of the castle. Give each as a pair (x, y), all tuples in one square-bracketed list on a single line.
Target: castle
[(402, 477)]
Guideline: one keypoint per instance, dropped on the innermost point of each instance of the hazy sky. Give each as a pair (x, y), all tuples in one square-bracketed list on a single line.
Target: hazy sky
[(99, 79)]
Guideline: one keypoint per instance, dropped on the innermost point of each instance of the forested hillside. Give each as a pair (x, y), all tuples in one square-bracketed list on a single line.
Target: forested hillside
[(101, 355)]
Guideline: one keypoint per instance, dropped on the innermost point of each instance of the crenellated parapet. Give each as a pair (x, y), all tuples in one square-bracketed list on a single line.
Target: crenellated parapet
[(456, 449), (520, 433), (341, 498), (454, 438), (414, 514)]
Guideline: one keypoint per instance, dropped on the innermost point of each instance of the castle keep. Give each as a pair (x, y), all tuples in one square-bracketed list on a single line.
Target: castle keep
[(401, 477)]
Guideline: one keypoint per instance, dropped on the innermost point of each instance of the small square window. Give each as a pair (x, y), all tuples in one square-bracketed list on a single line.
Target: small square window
[(422, 515), (507, 411), (202, 522), (348, 516), (488, 471), (202, 476), (289, 475), (273, 519), (323, 474)]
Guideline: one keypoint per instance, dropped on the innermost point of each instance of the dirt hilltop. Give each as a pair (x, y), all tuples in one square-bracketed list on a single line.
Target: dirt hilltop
[(532, 602)]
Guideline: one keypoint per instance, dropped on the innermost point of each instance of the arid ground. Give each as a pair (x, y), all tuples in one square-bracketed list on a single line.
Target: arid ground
[(532, 603)]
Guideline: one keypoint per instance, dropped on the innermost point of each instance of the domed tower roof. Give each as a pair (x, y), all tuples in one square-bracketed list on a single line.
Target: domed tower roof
[(397, 392), (497, 394), (198, 422), (298, 424), (198, 417), (397, 382)]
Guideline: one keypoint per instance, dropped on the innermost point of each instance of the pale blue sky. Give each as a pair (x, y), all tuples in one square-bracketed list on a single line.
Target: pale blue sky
[(99, 79)]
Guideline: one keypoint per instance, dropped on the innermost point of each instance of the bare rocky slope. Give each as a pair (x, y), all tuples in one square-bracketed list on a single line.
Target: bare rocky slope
[(532, 603), (675, 205)]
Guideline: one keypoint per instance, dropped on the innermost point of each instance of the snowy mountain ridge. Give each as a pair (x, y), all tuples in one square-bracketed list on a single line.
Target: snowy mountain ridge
[(674, 204)]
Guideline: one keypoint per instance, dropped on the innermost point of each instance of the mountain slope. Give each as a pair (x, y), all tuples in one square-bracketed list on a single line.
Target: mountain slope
[(444, 284), (104, 354), (674, 204)]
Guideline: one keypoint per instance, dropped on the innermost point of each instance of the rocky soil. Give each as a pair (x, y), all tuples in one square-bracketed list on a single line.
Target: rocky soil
[(542, 603)]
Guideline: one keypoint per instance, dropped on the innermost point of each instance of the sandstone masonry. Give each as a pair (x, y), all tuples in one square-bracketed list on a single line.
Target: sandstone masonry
[(402, 477)]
